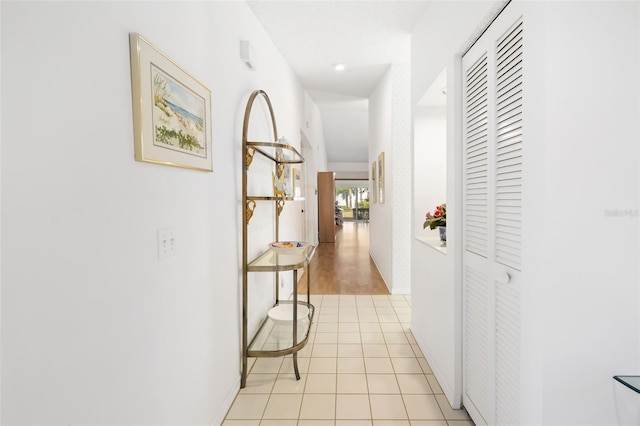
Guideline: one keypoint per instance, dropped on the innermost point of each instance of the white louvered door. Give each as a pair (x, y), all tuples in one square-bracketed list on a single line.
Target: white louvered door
[(492, 202)]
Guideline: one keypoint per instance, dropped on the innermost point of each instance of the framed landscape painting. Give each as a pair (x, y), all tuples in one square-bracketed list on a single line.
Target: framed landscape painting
[(381, 177), (171, 110), (374, 181)]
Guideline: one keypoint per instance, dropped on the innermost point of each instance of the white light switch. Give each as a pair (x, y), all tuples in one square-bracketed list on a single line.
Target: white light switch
[(166, 242)]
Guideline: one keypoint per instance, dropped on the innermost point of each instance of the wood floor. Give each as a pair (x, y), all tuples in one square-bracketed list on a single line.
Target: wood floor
[(345, 267)]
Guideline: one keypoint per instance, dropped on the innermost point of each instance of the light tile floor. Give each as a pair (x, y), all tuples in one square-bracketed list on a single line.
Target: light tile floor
[(361, 367)]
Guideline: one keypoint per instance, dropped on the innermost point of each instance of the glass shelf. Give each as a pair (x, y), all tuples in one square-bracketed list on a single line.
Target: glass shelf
[(273, 198), (632, 382), (271, 261), (277, 151), (275, 338)]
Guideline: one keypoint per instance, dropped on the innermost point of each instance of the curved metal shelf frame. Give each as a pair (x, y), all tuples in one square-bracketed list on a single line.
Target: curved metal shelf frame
[(268, 341)]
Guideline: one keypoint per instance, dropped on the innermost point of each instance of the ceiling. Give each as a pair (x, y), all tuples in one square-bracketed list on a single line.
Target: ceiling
[(365, 35)]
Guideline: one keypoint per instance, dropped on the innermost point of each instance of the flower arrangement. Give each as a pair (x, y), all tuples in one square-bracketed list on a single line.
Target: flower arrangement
[(439, 217)]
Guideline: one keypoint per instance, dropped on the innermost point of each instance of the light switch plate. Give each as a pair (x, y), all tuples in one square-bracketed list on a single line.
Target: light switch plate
[(166, 242)]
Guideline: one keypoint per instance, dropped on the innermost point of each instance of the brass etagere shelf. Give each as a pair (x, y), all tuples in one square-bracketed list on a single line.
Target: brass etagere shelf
[(274, 337)]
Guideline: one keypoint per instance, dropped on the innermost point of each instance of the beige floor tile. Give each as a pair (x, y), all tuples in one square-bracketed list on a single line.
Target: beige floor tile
[(370, 327), (348, 318), (326, 327), (351, 365), (379, 365), (400, 351), (266, 366), (422, 407), (450, 413), (391, 327), (460, 423), (348, 327), (315, 423), (388, 318), (248, 407), (387, 407), (433, 382), (327, 318), (392, 423), (283, 406), (385, 310), (326, 338), (426, 369), (328, 350), (395, 338), (349, 351), (322, 366), (367, 310), (259, 383), (406, 310), (367, 318), (353, 422), (352, 383), (382, 384), (348, 310), (413, 383), (406, 366), (353, 407), (306, 351), (375, 351), (372, 338), (287, 383), (410, 338), (347, 299), (349, 338), (318, 406), (241, 423), (430, 423), (279, 422), (321, 383), (287, 365)]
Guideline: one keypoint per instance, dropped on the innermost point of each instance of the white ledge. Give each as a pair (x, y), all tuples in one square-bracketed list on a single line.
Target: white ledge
[(434, 242)]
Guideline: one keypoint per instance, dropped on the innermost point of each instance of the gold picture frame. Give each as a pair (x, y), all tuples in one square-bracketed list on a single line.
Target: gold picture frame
[(171, 110), (381, 177), (374, 182)]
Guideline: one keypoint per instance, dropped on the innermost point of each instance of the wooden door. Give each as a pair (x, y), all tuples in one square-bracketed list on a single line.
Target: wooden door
[(326, 207)]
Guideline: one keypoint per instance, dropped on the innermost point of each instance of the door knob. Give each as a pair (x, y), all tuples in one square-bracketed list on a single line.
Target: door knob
[(503, 277)]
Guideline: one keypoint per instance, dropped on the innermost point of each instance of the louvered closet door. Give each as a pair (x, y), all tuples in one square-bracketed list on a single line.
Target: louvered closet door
[(492, 202)]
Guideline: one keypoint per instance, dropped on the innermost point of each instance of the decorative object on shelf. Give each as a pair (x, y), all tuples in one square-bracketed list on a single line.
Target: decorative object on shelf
[(171, 110), (381, 177), (251, 205), (438, 218), (443, 233), (283, 313), (288, 247)]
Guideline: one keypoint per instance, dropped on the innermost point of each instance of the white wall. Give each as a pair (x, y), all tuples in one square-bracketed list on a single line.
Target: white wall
[(390, 132), (580, 298), (380, 227), (429, 164), (96, 329)]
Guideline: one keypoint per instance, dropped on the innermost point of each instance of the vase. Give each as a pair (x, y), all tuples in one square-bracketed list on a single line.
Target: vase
[(443, 233)]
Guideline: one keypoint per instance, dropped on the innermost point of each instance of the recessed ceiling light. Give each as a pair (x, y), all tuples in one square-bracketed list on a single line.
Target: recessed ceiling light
[(338, 67)]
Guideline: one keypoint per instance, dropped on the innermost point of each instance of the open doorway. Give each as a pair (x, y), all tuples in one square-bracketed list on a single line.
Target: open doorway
[(352, 199)]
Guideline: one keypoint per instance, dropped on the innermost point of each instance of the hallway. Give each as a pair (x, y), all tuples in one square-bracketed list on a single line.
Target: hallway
[(345, 267), (361, 366)]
